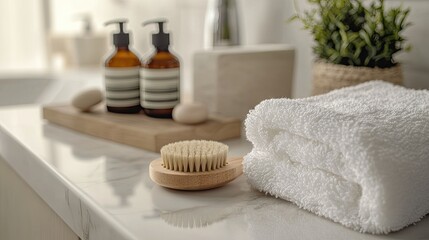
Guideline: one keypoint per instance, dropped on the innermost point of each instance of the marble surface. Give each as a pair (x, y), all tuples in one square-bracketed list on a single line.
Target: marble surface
[(102, 191)]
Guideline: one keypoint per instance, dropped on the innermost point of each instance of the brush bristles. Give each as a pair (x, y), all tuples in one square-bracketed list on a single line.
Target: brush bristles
[(194, 156)]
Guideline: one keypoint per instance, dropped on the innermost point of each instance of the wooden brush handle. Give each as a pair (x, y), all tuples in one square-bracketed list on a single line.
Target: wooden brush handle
[(196, 180)]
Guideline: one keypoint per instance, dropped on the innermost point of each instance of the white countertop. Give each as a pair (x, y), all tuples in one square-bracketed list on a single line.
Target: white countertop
[(102, 191)]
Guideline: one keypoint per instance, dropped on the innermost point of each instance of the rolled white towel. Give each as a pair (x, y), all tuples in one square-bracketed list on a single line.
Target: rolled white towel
[(358, 155)]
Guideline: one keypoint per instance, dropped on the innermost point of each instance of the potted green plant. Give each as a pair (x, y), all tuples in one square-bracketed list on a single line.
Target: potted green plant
[(355, 41)]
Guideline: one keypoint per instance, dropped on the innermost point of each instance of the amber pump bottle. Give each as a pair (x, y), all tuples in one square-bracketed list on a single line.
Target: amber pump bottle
[(160, 76), (121, 74)]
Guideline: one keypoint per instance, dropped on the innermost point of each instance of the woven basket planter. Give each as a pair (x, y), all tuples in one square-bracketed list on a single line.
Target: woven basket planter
[(328, 76)]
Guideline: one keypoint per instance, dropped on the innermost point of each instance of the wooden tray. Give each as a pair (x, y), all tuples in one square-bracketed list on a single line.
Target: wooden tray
[(138, 130)]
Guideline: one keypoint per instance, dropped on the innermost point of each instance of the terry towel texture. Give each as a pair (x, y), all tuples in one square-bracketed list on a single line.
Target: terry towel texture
[(358, 155)]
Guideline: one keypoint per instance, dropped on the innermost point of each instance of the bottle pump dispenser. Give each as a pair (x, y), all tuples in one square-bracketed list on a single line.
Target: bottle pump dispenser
[(120, 39), (160, 40)]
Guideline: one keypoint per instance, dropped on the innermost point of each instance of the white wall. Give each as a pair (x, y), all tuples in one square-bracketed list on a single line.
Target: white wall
[(263, 21), (416, 62), (22, 42)]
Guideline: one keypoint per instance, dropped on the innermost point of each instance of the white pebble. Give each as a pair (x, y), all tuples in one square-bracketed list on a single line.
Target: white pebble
[(190, 113), (87, 99)]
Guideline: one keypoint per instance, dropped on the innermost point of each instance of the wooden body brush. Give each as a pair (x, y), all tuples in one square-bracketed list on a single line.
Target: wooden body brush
[(195, 165)]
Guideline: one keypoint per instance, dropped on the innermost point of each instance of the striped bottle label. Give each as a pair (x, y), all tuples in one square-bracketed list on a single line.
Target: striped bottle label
[(122, 87), (159, 88)]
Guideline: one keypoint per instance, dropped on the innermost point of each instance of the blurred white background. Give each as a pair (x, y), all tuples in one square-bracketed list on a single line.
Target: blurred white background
[(27, 24)]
